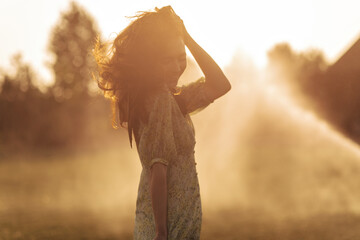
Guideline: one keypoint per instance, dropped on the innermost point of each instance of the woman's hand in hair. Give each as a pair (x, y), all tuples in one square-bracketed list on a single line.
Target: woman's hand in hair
[(185, 33)]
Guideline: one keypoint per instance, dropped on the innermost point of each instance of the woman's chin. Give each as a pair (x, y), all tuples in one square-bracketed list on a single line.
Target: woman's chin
[(173, 83), (171, 86)]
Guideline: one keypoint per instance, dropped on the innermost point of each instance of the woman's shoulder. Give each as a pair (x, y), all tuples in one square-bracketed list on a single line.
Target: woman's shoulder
[(159, 100), (193, 96), (159, 95), (158, 109)]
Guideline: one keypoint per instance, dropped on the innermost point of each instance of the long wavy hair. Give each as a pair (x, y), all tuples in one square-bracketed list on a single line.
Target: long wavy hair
[(127, 67)]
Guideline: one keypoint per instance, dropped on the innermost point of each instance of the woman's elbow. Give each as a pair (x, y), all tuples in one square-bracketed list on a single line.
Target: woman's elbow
[(227, 86), (224, 88), (216, 92)]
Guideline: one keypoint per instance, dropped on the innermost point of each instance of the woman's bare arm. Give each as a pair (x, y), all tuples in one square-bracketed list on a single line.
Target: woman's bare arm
[(216, 82), (158, 192)]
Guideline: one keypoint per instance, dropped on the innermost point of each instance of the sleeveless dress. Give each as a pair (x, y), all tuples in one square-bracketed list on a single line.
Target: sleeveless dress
[(169, 138)]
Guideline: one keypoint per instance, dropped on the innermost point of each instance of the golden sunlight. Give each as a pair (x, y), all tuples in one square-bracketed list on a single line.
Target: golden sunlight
[(269, 140)]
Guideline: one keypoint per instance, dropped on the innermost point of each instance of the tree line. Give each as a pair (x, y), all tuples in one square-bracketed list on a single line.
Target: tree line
[(71, 111), (66, 113)]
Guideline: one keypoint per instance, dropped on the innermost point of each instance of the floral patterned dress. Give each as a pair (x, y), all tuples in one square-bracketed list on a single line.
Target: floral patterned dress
[(169, 138)]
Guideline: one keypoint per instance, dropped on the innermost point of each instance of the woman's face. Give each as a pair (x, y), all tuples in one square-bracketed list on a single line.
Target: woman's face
[(173, 61)]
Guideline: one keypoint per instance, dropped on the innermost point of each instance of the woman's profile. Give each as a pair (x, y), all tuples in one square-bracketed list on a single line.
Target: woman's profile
[(140, 74)]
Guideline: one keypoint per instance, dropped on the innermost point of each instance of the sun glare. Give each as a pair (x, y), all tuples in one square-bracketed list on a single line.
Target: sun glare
[(254, 27)]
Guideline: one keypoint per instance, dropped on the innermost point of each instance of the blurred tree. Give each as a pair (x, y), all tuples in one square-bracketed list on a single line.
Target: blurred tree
[(19, 100), (16, 87), (71, 42), (300, 72), (64, 116), (329, 90)]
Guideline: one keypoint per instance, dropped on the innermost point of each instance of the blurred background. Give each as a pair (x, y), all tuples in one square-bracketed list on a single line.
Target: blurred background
[(278, 156)]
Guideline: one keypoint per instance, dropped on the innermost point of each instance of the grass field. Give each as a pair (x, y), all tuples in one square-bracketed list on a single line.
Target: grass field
[(72, 196), (227, 225)]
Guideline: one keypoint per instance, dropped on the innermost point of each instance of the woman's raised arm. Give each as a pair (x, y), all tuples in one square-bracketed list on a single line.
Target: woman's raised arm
[(216, 83)]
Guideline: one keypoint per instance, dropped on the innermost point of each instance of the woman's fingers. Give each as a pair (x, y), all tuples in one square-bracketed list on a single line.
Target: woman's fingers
[(177, 19)]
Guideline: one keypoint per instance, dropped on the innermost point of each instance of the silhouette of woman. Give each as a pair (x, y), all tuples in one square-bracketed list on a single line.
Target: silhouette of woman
[(139, 74)]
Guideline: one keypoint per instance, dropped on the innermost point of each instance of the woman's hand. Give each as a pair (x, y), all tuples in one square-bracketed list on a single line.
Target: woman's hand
[(181, 23), (216, 82), (185, 33)]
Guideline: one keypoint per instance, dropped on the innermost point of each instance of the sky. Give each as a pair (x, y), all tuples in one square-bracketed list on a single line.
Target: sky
[(222, 27)]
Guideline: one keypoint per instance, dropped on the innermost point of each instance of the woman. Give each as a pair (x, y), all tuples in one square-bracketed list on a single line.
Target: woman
[(140, 76)]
